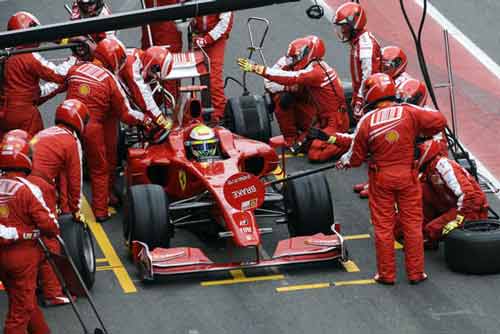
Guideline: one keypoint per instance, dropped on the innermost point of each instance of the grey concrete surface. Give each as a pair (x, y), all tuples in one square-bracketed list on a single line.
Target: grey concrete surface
[(447, 303)]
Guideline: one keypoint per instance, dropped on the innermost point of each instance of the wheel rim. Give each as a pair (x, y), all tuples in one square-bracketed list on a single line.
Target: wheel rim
[(88, 252)]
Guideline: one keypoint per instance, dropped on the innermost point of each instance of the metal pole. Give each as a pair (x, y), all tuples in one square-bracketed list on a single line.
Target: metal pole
[(451, 85), (126, 20), (148, 27), (11, 52)]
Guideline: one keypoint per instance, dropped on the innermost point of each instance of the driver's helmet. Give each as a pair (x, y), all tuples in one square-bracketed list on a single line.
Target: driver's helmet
[(203, 143)]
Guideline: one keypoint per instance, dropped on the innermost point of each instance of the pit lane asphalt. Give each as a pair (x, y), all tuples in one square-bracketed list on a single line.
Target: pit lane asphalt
[(447, 303)]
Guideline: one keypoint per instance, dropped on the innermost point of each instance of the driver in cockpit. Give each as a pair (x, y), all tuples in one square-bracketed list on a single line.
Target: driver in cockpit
[(203, 145)]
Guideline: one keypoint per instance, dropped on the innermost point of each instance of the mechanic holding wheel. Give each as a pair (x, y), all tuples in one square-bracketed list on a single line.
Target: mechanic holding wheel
[(211, 33), (306, 87), (98, 88), (22, 75), (24, 216), (57, 159), (350, 20), (450, 194), (387, 132)]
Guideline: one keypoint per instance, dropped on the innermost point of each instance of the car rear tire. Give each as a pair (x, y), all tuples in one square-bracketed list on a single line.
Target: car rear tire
[(80, 246), (474, 248), (249, 117), (309, 205), (147, 216)]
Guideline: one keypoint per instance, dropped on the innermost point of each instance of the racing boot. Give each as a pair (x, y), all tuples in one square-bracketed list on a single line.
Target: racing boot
[(419, 280), (380, 280), (364, 193), (57, 301), (357, 188)]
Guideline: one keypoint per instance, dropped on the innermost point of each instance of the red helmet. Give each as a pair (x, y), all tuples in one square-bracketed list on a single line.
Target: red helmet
[(350, 19), (412, 91), (17, 133), (22, 20), (378, 87), (111, 53), (394, 61), (73, 114), (15, 154), (157, 63), (428, 150), (304, 50), (90, 8)]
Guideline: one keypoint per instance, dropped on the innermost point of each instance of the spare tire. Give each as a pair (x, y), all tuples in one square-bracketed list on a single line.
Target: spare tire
[(80, 246), (475, 248), (249, 117), (309, 205), (147, 216)]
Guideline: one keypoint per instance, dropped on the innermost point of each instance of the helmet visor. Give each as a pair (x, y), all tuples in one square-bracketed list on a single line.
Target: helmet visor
[(204, 148), (343, 32)]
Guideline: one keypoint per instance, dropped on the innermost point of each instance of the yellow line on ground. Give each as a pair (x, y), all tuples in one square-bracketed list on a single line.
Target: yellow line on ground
[(243, 280), (355, 282), (109, 252), (397, 245), (289, 155), (104, 268), (101, 260), (350, 266), (303, 287), (356, 236)]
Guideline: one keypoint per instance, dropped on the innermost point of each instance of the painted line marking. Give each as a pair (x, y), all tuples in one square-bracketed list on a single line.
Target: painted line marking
[(357, 237), (109, 252), (289, 155), (104, 268), (243, 280), (237, 274), (397, 245), (355, 282), (350, 267), (101, 260), (303, 287)]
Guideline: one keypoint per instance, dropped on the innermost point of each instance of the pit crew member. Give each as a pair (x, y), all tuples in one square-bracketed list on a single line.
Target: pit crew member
[(22, 75), (211, 33), (98, 88), (24, 215), (166, 34), (450, 194), (388, 132), (140, 68), (315, 90), (57, 151), (350, 21), (82, 9)]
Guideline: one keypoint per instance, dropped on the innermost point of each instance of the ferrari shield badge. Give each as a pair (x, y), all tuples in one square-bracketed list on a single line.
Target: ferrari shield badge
[(182, 179), (4, 211)]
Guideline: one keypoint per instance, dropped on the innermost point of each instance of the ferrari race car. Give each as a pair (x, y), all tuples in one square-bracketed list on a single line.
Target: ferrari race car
[(168, 188)]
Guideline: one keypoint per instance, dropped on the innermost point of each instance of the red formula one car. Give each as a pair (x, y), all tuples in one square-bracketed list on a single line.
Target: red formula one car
[(169, 187)]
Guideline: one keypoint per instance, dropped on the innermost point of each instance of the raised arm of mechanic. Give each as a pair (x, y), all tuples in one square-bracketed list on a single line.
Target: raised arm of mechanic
[(122, 106), (48, 71)]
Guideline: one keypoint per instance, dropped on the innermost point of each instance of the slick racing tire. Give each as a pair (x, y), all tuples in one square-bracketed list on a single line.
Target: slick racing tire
[(80, 246), (147, 216), (475, 248), (249, 117), (309, 205)]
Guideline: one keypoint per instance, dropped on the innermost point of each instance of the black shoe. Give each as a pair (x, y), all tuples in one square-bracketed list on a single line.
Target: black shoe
[(420, 280)]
